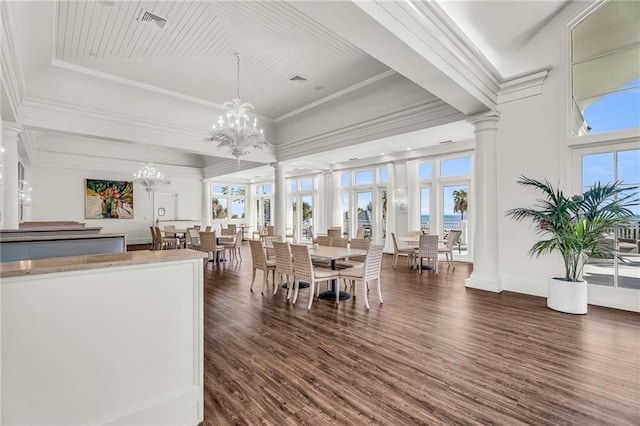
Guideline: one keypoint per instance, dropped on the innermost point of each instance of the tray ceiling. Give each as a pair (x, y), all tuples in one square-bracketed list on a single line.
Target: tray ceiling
[(192, 52)]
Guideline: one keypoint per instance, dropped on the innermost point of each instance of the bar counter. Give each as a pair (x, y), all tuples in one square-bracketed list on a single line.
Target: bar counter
[(77, 263)]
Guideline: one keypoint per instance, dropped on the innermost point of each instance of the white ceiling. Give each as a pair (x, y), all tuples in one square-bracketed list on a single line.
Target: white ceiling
[(192, 58), (193, 54)]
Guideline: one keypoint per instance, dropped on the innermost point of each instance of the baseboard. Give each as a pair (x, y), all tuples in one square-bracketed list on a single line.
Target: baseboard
[(493, 284), (524, 286), (182, 407)]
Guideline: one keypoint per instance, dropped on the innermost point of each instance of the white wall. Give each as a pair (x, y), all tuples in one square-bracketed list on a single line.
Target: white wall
[(58, 193), (533, 140)]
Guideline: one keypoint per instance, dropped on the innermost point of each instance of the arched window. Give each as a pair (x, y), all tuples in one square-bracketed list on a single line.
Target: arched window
[(605, 56)]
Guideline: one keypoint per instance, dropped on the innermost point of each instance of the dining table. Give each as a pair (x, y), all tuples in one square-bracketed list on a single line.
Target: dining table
[(333, 254)]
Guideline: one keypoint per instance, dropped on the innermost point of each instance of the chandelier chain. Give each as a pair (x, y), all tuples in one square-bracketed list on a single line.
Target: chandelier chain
[(238, 75)]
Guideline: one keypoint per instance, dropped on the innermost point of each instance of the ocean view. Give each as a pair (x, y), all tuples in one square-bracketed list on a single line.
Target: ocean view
[(448, 218)]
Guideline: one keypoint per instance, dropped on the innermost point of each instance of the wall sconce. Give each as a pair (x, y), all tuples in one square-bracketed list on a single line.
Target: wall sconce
[(400, 200), (24, 193)]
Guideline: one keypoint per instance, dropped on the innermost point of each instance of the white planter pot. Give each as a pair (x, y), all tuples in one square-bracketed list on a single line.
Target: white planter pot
[(566, 296)]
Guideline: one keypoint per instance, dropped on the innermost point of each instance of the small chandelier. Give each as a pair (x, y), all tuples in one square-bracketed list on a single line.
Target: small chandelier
[(237, 133), (24, 193), (149, 177)]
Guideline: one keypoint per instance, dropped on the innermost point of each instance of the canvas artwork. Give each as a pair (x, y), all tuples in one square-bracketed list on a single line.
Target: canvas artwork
[(108, 199)]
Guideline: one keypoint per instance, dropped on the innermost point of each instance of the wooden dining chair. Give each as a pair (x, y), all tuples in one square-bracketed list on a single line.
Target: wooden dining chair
[(334, 232), (193, 238), (260, 262), (166, 243), (324, 240), (208, 244), (404, 251), (452, 239), (427, 249), (369, 273), (284, 266), (355, 261), (233, 247), (303, 270)]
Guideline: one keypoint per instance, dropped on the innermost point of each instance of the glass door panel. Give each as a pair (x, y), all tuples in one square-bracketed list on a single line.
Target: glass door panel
[(455, 214), (346, 224), (425, 203), (364, 205), (307, 217), (266, 211)]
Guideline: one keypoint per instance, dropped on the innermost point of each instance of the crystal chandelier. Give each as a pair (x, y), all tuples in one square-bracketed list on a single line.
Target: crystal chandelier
[(237, 133), (149, 177)]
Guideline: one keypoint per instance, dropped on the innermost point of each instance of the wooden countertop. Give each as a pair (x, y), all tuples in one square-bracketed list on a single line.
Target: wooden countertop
[(29, 238), (94, 261)]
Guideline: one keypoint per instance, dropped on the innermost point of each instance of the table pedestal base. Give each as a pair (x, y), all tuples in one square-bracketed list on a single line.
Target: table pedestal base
[(331, 295)]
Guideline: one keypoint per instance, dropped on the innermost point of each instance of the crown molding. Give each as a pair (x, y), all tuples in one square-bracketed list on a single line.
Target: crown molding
[(403, 120), (83, 162), (12, 75), (522, 87), (336, 95), (148, 87)]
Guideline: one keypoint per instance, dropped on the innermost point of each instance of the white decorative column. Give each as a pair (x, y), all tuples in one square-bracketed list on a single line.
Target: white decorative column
[(329, 200), (206, 203), (11, 203), (280, 199), (485, 275)]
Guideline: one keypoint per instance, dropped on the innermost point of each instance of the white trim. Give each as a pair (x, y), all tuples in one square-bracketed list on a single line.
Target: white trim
[(133, 83), (336, 95), (12, 74), (403, 120), (522, 87)]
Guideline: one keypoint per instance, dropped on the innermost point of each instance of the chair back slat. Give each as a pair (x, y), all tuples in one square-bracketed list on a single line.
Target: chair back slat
[(302, 266), (373, 262), (207, 241), (454, 237), (324, 240), (284, 263), (339, 242), (334, 232), (360, 243), (258, 255), (428, 246)]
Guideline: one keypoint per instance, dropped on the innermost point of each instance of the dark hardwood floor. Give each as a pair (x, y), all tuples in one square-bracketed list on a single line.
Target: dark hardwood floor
[(433, 353)]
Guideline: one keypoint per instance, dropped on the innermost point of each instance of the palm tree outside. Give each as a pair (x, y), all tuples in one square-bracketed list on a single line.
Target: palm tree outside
[(460, 202)]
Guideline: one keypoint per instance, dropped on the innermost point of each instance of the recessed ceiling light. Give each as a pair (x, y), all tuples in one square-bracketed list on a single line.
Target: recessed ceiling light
[(318, 87), (382, 153), (408, 149)]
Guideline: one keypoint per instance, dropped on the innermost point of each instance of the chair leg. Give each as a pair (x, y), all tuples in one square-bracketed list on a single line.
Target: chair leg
[(296, 287), (337, 289), (253, 280), (379, 289), (265, 279), (395, 259), (365, 294), (277, 284), (311, 286)]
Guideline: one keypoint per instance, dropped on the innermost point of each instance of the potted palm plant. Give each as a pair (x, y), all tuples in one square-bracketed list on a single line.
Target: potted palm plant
[(578, 227)]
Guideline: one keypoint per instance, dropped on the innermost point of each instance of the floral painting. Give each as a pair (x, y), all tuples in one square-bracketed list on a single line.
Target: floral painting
[(108, 199)]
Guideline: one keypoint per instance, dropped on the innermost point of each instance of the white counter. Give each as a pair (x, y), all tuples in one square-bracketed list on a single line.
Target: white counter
[(103, 340)]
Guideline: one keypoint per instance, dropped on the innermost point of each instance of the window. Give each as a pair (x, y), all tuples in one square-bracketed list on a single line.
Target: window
[(604, 167), (225, 196), (424, 170), (364, 203), (605, 53), (455, 166), (364, 177), (302, 190)]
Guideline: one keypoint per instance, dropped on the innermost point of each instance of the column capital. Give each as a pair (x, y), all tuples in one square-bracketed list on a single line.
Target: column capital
[(10, 129), (327, 173), (277, 166), (492, 116)]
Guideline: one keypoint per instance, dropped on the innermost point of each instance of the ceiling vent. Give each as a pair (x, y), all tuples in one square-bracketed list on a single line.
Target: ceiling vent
[(297, 79), (150, 18)]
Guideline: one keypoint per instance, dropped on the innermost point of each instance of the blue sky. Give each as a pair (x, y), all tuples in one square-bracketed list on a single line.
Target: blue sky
[(615, 111)]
